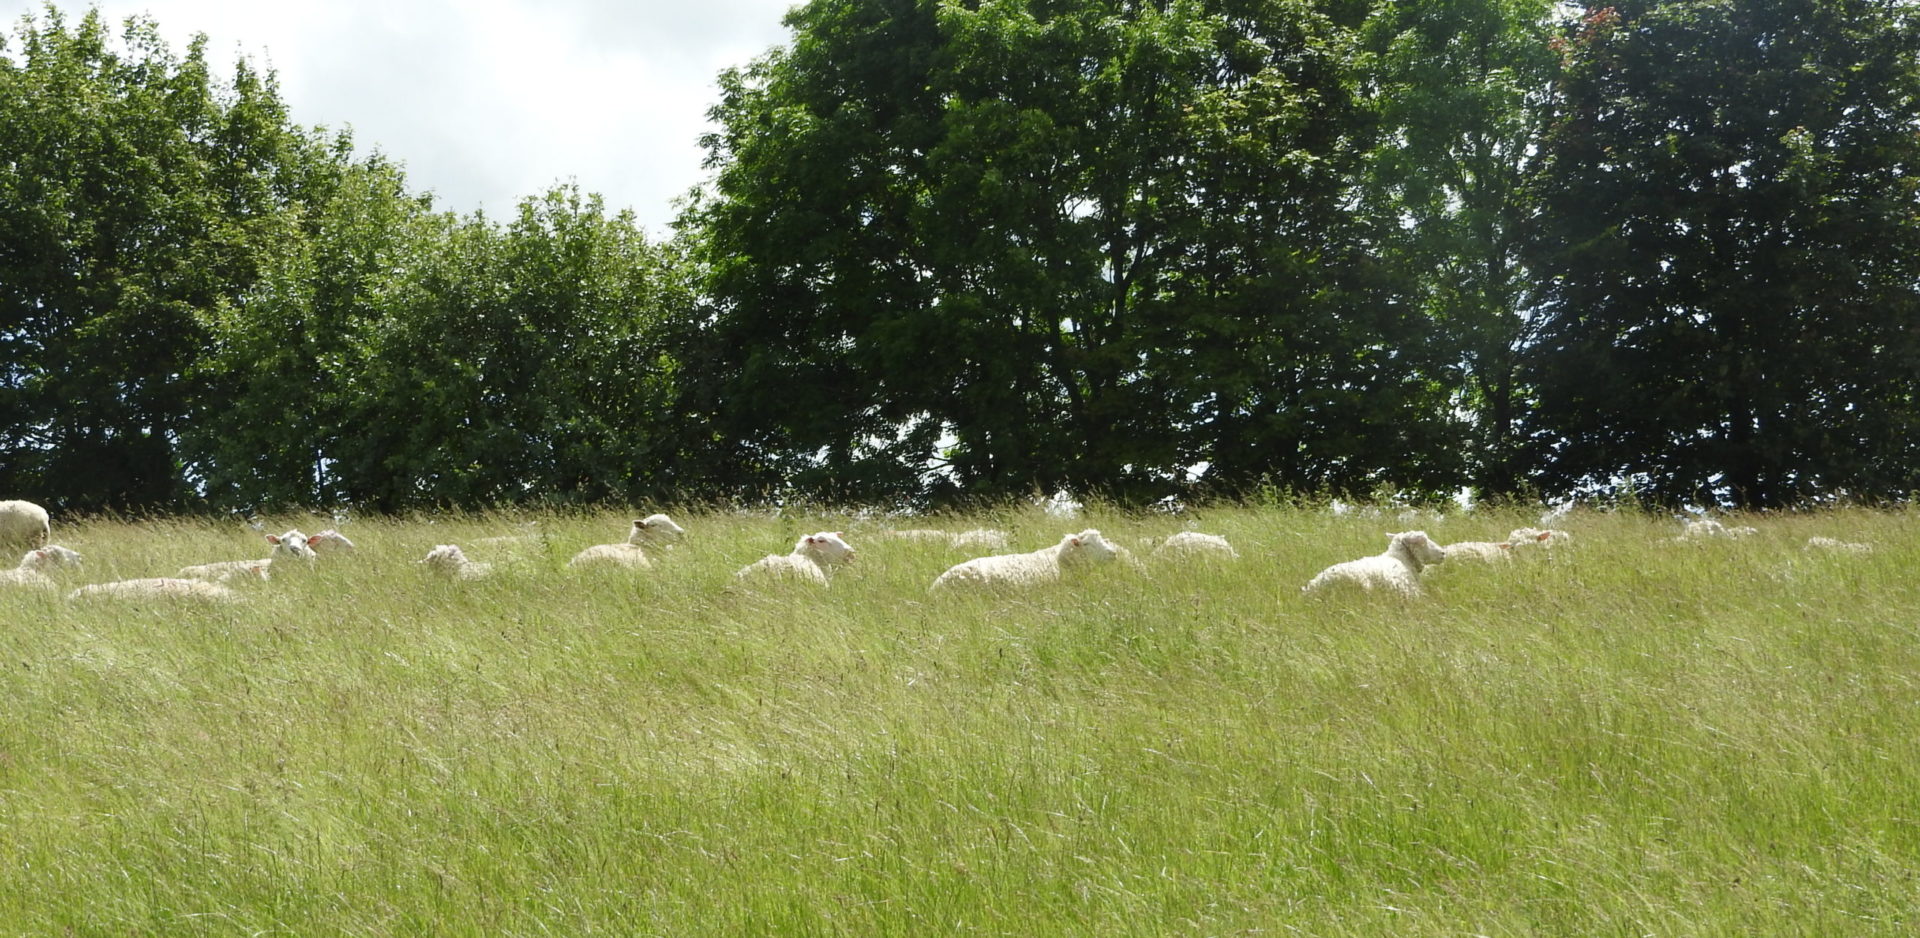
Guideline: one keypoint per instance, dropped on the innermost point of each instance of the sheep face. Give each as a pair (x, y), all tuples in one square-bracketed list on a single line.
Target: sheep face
[(1416, 547), (290, 544), (1086, 547), (655, 529), (50, 557), (826, 547)]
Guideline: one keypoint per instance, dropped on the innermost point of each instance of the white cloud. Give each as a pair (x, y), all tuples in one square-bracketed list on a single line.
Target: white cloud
[(490, 101)]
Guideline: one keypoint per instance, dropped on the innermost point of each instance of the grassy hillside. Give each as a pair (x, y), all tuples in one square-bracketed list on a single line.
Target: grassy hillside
[(1627, 736)]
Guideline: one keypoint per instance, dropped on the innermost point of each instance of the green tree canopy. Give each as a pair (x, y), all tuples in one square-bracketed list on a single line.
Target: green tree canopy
[(1727, 242)]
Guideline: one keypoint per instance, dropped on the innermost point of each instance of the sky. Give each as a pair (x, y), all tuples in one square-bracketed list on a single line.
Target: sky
[(486, 102)]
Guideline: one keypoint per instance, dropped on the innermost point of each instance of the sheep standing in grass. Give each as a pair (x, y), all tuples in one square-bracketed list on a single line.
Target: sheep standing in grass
[(1041, 566), (157, 589), (812, 556), (1192, 545), (33, 567), (450, 561), (652, 532), (23, 523), (291, 549), (1398, 568)]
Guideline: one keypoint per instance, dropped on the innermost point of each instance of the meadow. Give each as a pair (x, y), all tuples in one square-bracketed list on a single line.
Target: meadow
[(1621, 736)]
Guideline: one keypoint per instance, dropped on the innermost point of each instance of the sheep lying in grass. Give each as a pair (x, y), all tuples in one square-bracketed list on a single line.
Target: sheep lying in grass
[(158, 589), (1537, 537), (291, 549), (1703, 528), (1192, 545), (1487, 551), (23, 523), (1837, 546), (450, 561), (1398, 568), (812, 556), (330, 542), (653, 531), (33, 567), (977, 539), (1041, 566)]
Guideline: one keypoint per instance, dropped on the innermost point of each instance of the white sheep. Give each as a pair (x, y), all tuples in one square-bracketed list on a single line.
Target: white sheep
[(291, 549), (450, 561), (1702, 528), (1837, 546), (1041, 566), (651, 531), (51, 557), (1398, 568), (1488, 551), (33, 567), (1192, 545), (812, 556), (23, 523), (157, 588), (1537, 537), (330, 541), (976, 539)]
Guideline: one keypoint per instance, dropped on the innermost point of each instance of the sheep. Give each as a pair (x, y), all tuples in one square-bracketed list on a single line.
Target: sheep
[(22, 576), (33, 567), (1398, 568), (1041, 566), (1542, 537), (1707, 527), (23, 523), (450, 561), (330, 541), (51, 557), (811, 557), (157, 588), (291, 549), (1189, 545), (1488, 551), (653, 530), (976, 539), (1837, 546)]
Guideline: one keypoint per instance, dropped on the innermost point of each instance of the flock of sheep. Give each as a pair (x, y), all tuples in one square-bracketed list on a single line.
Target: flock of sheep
[(813, 559)]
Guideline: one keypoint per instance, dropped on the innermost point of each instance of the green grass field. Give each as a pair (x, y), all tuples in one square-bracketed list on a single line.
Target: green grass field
[(1625, 736)]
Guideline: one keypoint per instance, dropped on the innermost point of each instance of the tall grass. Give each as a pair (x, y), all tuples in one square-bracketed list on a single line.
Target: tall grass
[(1629, 736)]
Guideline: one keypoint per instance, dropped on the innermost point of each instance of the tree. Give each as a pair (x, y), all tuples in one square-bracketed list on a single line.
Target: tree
[(1010, 245), (1727, 238), (1461, 89), (136, 197)]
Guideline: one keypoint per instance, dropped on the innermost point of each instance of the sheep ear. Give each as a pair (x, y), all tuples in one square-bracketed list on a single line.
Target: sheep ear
[(1074, 541), (41, 553), (840, 534), (812, 540), (640, 522), (273, 538), (1543, 535), (311, 538), (1506, 547)]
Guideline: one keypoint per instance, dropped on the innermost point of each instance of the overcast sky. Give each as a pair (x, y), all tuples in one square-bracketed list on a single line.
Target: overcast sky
[(488, 101)]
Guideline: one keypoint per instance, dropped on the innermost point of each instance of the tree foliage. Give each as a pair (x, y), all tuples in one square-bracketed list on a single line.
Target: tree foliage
[(957, 248), (1727, 242)]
